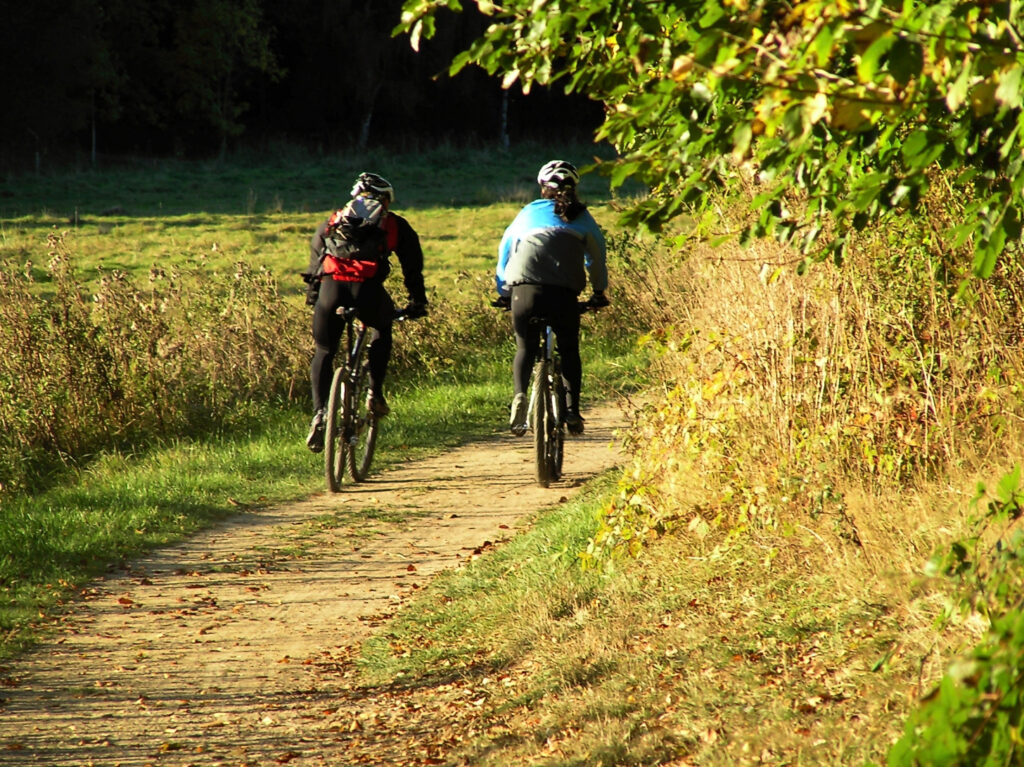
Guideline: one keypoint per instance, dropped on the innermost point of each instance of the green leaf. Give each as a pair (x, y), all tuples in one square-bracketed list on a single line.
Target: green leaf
[(1009, 485), (957, 93), (906, 61), (823, 43), (1009, 91), (712, 13), (987, 253), (870, 62), (922, 148), (741, 141)]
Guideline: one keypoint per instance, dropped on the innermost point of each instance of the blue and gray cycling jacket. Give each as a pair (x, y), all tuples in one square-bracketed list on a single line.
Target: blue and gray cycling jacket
[(539, 248)]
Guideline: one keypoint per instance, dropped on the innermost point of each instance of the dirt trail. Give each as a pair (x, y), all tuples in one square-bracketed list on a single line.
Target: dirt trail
[(232, 648)]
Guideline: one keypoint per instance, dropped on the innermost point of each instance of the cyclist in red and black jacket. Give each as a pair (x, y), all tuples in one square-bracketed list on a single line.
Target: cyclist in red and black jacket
[(333, 282)]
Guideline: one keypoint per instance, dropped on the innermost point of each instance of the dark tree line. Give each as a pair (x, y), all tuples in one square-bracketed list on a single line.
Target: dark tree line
[(199, 77)]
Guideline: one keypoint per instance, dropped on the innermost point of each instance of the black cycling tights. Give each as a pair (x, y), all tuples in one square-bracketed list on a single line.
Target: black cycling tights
[(558, 306), (375, 308)]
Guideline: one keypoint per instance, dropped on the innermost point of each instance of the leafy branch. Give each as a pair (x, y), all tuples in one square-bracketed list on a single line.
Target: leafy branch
[(695, 89)]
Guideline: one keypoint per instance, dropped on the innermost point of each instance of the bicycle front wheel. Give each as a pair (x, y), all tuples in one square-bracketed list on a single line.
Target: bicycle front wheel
[(540, 419), (335, 445), (363, 440)]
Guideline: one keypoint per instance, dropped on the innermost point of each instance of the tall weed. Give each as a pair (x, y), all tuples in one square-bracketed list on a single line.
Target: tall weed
[(887, 370), (847, 404), (83, 371)]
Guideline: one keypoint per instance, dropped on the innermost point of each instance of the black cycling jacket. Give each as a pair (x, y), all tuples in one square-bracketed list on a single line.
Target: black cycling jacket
[(406, 246)]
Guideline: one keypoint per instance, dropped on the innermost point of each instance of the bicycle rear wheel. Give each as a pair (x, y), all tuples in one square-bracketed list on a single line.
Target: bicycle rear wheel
[(540, 418), (363, 439), (556, 441), (335, 445)]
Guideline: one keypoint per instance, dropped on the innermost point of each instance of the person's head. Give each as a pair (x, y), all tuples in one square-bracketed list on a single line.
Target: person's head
[(558, 180), (374, 186)]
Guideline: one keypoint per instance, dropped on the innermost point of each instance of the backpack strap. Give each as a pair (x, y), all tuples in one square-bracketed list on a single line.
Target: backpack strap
[(391, 228)]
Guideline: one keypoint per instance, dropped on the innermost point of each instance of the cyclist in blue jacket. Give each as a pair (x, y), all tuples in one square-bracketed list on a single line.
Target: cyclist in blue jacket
[(544, 259)]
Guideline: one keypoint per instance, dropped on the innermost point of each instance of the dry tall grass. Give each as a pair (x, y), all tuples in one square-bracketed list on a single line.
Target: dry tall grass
[(84, 370), (827, 430), (91, 363)]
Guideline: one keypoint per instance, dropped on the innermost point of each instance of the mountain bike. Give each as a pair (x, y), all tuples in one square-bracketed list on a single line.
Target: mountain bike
[(547, 405), (350, 433)]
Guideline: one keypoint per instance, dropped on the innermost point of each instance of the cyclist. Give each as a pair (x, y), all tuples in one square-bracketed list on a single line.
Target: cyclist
[(544, 258), (333, 281)]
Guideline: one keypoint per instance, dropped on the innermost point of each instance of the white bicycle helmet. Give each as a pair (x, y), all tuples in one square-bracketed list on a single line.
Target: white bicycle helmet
[(558, 174), (372, 185)]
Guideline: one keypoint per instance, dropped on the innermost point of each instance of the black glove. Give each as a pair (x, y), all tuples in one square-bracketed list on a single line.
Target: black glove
[(414, 310), (599, 299), (312, 292), (502, 302)]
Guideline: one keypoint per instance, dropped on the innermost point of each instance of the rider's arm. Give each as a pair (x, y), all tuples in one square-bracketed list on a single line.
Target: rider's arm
[(316, 249), (504, 249), (410, 256), (596, 253)]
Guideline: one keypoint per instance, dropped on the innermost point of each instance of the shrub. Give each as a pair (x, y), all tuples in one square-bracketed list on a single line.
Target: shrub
[(129, 363)]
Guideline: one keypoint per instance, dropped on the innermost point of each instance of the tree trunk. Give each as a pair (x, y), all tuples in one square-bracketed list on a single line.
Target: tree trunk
[(92, 149), (364, 126), (503, 121)]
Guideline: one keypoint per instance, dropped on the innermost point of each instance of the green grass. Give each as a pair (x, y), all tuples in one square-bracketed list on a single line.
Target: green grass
[(286, 181), (479, 608)]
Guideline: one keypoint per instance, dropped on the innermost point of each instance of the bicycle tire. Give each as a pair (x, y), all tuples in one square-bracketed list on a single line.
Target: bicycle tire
[(363, 440), (335, 445), (557, 439), (540, 410)]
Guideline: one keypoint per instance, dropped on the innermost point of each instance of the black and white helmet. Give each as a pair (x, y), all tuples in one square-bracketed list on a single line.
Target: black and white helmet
[(558, 174), (372, 185), (361, 214)]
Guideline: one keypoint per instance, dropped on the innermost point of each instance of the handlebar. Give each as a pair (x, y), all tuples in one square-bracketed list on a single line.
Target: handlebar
[(589, 306), (582, 306), (349, 312)]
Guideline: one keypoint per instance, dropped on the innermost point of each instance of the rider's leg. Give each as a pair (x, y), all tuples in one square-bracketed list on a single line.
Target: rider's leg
[(565, 321), (377, 310), (564, 318), (572, 368), (327, 328), (524, 307), (527, 342)]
